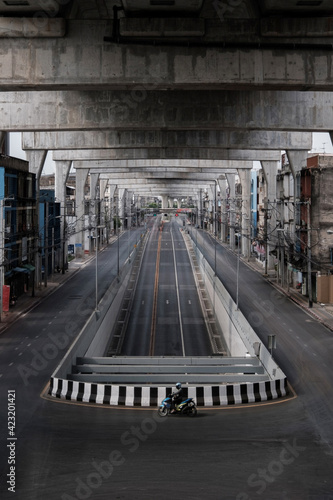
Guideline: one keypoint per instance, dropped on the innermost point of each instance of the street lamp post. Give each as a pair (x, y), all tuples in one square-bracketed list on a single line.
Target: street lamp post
[(96, 273), (237, 278), (63, 245), (96, 267), (309, 256), (117, 229), (215, 230)]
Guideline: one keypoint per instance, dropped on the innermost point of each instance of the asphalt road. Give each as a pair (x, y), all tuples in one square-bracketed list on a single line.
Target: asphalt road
[(175, 326), (277, 451)]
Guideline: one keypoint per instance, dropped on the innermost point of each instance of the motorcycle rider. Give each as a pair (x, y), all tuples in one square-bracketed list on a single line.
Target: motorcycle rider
[(177, 397)]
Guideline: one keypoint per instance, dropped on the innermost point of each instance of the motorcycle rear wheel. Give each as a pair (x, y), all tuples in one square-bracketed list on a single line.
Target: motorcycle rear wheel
[(191, 411), (163, 411)]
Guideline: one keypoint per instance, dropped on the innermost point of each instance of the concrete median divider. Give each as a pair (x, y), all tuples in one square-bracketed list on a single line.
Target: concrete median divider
[(147, 396)]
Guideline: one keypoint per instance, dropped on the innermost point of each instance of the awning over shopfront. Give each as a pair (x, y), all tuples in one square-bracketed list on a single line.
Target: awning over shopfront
[(20, 270), (29, 267)]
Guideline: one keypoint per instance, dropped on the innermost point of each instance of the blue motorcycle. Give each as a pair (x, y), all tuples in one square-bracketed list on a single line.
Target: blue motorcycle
[(186, 407)]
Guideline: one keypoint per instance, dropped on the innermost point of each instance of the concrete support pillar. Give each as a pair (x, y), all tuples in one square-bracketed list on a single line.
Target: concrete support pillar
[(245, 180), (94, 186), (112, 211), (121, 205), (62, 169), (200, 209), (222, 181), (165, 201), (102, 187), (270, 169), (93, 211), (36, 159), (232, 217), (136, 209), (129, 198), (213, 206), (2, 140), (81, 178), (103, 212)]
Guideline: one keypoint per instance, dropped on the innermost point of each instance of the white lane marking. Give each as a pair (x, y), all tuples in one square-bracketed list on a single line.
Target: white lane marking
[(167, 301), (189, 302), (143, 302), (20, 353), (178, 297), (10, 364)]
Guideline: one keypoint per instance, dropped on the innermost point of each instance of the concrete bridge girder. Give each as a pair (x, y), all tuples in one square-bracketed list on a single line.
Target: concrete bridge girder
[(162, 170), (156, 176), (161, 183), (86, 61), (106, 165), (260, 110), (111, 140), (167, 153)]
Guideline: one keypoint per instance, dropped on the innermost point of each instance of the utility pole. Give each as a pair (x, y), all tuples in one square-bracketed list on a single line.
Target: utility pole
[(309, 254), (265, 232), (46, 243)]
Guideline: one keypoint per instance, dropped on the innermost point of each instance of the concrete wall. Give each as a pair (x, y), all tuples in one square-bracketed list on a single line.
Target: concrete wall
[(239, 336)]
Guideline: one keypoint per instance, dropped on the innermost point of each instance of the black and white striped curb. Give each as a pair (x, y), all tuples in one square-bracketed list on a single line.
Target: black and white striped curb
[(146, 396)]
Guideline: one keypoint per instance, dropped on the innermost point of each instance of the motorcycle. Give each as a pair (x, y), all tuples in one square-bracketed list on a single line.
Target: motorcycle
[(186, 407)]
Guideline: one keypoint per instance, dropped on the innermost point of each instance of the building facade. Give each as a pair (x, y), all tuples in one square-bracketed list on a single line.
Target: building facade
[(18, 227)]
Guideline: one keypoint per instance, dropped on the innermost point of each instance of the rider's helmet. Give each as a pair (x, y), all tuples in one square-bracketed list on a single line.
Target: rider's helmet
[(178, 385)]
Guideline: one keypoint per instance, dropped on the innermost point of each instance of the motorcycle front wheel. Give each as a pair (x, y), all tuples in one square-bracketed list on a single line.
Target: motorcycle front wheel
[(162, 411)]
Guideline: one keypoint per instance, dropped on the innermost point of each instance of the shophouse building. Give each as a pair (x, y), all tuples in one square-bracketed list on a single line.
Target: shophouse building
[(18, 228)]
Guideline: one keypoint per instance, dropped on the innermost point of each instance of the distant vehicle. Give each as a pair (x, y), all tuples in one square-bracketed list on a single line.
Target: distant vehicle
[(165, 217)]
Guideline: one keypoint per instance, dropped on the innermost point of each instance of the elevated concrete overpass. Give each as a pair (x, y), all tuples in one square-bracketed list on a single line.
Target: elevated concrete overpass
[(177, 110), (228, 81), (165, 139), (270, 44)]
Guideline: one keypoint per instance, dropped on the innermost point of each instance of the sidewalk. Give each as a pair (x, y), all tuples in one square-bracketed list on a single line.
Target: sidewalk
[(320, 312), (26, 302)]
